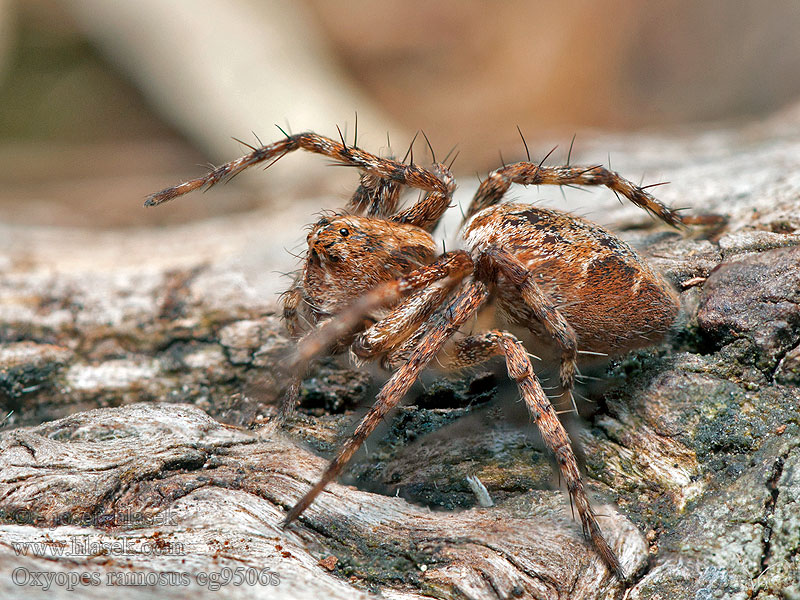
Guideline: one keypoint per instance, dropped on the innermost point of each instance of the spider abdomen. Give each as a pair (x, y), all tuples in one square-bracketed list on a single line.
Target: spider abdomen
[(609, 295)]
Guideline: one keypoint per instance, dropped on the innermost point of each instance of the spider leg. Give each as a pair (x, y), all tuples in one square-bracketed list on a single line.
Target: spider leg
[(427, 212), (380, 197), (479, 348), (461, 308), (292, 300), (455, 264), (383, 336), (450, 267), (397, 355), (494, 187), (405, 319), (375, 197), (543, 309), (438, 182), (289, 400)]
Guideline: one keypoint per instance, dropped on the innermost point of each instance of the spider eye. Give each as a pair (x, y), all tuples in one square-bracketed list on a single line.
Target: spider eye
[(344, 232)]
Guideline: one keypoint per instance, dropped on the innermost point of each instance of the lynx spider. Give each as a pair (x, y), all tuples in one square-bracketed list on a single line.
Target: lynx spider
[(374, 281)]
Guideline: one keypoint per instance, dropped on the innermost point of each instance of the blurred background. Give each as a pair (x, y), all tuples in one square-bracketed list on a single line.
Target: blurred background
[(103, 102)]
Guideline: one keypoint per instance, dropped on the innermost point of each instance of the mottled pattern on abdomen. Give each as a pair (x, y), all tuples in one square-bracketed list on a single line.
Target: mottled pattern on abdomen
[(611, 297)]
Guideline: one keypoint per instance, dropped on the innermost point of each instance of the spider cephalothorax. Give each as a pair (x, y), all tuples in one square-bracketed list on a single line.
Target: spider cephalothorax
[(373, 281), (362, 252)]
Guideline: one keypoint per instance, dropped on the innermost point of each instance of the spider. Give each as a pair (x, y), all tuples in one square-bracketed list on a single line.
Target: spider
[(373, 281)]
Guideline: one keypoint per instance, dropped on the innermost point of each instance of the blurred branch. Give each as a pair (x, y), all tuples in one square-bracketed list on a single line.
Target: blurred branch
[(218, 70)]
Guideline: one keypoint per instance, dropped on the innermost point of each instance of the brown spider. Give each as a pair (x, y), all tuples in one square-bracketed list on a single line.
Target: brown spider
[(374, 281)]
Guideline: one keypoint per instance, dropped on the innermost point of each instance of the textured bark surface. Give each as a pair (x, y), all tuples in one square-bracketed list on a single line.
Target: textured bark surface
[(140, 369)]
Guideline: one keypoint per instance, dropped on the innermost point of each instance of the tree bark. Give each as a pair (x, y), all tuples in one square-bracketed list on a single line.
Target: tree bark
[(141, 371)]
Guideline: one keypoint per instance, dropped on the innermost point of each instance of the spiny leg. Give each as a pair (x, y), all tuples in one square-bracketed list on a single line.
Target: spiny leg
[(290, 397), (386, 334), (427, 212), (403, 321), (380, 197), (399, 356), (476, 349), (494, 187), (447, 323), (289, 400), (454, 264), (375, 197), (497, 260), (438, 182), (292, 299), (450, 267)]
